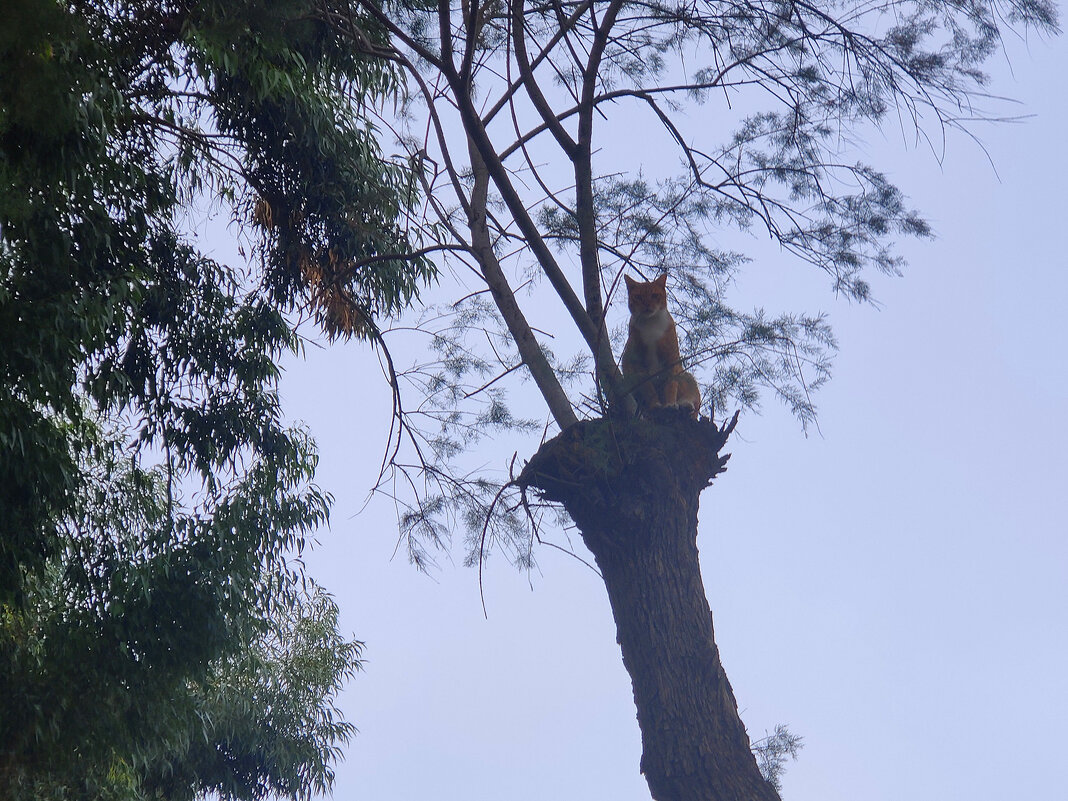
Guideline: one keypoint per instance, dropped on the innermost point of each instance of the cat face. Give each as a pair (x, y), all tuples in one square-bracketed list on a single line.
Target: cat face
[(646, 297)]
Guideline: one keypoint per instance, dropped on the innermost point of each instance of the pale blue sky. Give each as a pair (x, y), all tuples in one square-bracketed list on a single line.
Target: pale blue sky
[(895, 588)]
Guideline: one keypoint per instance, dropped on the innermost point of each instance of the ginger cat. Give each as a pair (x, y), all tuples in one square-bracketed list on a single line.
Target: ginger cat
[(652, 367)]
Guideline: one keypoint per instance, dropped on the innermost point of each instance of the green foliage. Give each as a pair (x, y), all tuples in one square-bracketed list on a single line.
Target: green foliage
[(566, 144), (269, 710), (462, 406), (773, 750), (737, 355), (156, 637)]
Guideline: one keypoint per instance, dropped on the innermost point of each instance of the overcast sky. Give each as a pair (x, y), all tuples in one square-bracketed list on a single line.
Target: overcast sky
[(893, 587)]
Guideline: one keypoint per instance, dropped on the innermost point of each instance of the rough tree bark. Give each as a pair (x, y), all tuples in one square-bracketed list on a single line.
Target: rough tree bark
[(632, 488)]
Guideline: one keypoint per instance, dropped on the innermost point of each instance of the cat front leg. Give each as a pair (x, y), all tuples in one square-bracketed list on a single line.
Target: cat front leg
[(671, 392), (681, 391)]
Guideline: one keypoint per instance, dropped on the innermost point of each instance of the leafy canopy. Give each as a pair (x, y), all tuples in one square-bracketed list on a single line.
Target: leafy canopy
[(155, 633), (566, 142)]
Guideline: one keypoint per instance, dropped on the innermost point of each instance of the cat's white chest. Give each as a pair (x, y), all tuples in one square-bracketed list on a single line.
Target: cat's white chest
[(650, 329)]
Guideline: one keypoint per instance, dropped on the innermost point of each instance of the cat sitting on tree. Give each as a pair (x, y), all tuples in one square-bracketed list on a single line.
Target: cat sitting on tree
[(652, 366)]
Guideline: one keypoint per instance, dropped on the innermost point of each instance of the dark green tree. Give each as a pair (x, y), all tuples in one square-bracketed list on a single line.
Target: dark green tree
[(157, 637), (274, 726), (520, 113)]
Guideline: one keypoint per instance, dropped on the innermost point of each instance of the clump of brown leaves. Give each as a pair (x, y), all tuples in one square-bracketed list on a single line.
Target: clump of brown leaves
[(324, 275)]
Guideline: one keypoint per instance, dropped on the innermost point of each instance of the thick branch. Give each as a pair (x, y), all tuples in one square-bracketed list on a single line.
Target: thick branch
[(484, 146), (564, 28), (445, 33), (504, 296), (526, 74), (585, 214)]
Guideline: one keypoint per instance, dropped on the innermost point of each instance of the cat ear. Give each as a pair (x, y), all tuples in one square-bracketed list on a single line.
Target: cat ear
[(630, 281), (661, 280)]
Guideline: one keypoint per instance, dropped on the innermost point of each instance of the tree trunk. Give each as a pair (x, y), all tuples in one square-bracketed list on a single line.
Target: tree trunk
[(632, 487)]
